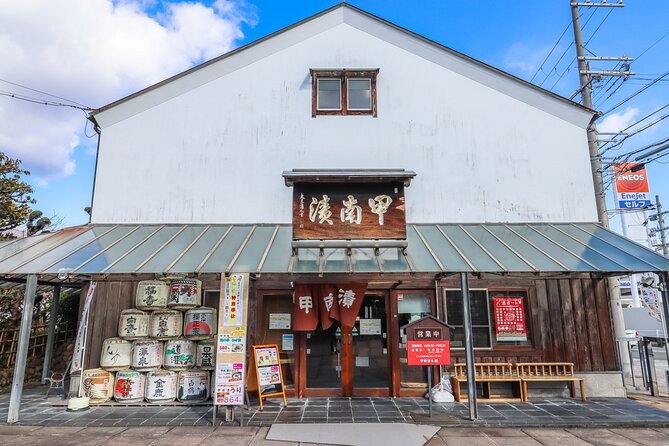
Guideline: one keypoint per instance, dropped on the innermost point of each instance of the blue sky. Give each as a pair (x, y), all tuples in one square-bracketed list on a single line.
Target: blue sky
[(513, 36)]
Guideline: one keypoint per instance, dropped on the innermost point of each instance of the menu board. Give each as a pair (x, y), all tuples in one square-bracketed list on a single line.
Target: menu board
[(231, 341), (268, 371), (510, 319)]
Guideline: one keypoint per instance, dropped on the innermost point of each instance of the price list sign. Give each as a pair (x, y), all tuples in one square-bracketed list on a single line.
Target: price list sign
[(510, 319)]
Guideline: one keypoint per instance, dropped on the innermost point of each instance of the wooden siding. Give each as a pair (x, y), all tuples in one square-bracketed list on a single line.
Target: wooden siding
[(568, 320)]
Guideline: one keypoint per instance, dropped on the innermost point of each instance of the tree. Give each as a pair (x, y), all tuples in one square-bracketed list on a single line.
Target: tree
[(36, 223), (15, 194)]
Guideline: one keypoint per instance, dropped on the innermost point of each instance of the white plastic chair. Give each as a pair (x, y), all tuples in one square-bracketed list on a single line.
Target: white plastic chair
[(57, 379)]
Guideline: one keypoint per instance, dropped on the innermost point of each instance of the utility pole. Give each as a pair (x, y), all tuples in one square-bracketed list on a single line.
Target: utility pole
[(596, 165), (660, 222)]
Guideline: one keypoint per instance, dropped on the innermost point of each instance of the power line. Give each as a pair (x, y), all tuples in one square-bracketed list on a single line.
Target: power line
[(41, 101), (652, 45), (636, 93), (606, 149), (551, 51), (43, 92), (554, 68)]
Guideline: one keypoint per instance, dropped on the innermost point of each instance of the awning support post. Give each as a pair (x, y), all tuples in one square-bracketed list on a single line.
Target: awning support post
[(22, 353), (664, 279), (469, 347), (51, 333)]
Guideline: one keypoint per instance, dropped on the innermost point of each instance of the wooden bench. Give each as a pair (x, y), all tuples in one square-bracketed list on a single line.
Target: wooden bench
[(488, 373), (549, 372)]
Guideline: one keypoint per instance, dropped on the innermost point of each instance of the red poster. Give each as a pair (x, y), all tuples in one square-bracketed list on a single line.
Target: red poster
[(510, 318), (305, 308), (428, 352)]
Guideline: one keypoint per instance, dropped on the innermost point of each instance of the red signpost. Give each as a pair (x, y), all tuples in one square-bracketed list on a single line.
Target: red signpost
[(428, 344)]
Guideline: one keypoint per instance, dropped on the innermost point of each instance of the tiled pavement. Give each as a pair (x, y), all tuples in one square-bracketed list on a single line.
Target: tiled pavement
[(596, 412), (256, 436)]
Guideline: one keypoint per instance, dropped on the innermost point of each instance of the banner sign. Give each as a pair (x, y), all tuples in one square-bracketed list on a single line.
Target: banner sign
[(332, 302), (79, 346), (631, 181), (231, 341), (349, 211), (509, 318)]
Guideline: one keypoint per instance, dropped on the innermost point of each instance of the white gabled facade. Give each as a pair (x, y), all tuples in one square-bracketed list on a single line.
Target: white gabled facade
[(209, 146)]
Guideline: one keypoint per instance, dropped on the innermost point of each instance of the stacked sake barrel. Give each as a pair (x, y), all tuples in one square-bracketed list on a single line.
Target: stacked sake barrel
[(164, 349)]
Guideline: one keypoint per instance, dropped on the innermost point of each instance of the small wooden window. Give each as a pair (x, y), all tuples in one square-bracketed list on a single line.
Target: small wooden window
[(344, 92)]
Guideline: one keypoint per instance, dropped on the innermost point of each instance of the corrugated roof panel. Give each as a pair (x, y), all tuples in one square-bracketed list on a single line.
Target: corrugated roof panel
[(255, 247), (142, 252), (113, 252), (123, 249), (512, 260), (89, 250), (226, 251), (278, 257)]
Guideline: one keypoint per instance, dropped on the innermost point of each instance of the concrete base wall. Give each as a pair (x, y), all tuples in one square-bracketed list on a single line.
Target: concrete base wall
[(597, 384)]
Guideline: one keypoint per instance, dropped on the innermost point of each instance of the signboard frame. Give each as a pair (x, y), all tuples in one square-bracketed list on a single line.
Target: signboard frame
[(506, 310), (258, 366), (349, 211)]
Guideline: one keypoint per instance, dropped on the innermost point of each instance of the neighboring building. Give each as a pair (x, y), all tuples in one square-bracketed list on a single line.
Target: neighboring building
[(192, 179)]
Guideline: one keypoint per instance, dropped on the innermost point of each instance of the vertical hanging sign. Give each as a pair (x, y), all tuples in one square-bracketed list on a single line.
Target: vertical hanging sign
[(510, 318), (231, 341)]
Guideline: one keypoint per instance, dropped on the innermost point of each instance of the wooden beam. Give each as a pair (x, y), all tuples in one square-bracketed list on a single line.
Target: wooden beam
[(22, 354)]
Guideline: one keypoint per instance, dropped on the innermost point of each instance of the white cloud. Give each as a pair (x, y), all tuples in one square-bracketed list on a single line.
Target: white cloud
[(523, 59), (616, 122), (94, 52)]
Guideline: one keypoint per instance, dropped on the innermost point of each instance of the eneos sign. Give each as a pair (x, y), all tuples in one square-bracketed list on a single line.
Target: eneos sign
[(632, 191)]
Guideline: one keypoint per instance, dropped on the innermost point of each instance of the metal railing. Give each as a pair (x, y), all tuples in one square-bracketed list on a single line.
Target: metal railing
[(643, 348), (9, 340)]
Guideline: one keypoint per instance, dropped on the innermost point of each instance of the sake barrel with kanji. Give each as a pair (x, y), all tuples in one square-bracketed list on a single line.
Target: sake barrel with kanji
[(161, 386), (205, 355), (179, 354), (116, 354), (147, 355), (200, 323), (133, 324), (193, 386), (185, 294), (129, 387), (166, 324), (98, 385), (152, 295)]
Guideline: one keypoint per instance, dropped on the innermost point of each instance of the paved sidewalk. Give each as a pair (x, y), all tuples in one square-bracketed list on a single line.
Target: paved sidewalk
[(596, 412), (255, 436)]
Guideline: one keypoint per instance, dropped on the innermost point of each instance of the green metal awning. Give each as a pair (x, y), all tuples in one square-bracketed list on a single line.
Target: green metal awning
[(430, 248)]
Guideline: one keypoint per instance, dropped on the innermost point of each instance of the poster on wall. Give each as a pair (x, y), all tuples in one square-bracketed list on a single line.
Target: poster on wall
[(279, 321), (231, 341), (510, 319)]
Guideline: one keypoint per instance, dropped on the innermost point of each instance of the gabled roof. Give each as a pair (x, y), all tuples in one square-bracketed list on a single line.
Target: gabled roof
[(355, 17)]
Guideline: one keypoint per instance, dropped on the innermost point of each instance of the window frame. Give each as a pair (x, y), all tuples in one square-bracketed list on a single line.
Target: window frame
[(343, 76), (489, 326), (318, 81)]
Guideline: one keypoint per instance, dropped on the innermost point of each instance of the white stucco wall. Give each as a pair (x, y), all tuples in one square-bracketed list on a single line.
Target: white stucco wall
[(211, 146)]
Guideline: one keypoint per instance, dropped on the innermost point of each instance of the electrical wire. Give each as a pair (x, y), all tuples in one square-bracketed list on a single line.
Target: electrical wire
[(636, 93), (652, 45), (41, 101), (43, 92), (551, 51)]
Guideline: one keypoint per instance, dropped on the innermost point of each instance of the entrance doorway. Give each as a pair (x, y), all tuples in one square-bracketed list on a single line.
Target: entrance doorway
[(351, 361)]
